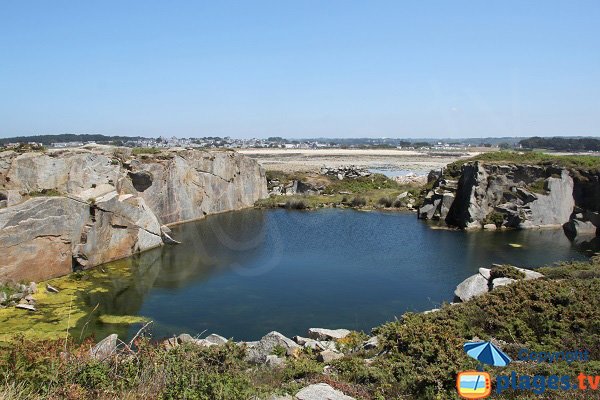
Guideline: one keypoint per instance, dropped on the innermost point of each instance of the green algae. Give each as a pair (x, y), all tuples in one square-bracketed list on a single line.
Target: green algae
[(78, 309), (122, 319)]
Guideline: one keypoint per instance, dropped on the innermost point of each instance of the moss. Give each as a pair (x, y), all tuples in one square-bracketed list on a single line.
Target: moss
[(45, 193), (71, 310), (538, 186), (121, 319)]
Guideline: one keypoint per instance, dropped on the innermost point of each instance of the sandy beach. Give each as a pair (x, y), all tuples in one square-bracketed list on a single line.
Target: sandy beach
[(394, 160)]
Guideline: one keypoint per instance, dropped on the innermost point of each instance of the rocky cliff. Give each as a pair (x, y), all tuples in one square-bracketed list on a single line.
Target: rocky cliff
[(483, 195), (67, 209)]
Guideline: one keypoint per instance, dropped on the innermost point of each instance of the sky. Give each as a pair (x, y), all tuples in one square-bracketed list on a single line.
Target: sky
[(300, 68)]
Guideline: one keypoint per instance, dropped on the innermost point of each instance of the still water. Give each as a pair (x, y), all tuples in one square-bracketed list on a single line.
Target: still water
[(243, 274)]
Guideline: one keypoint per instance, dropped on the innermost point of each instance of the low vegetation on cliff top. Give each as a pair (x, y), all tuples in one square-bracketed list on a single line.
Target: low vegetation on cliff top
[(588, 162), (419, 354), (374, 191)]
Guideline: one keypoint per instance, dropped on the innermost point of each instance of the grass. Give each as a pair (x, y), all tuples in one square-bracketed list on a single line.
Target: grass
[(585, 162), (45, 193)]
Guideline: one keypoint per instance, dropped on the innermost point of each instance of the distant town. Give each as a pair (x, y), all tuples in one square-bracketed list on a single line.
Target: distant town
[(78, 140)]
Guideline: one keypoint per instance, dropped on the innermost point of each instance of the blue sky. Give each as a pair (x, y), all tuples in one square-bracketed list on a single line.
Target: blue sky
[(300, 68)]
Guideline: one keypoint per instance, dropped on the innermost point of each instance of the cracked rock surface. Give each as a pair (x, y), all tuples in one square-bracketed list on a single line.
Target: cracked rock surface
[(77, 208)]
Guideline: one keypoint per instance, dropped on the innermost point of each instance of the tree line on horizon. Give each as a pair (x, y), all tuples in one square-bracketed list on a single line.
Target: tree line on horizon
[(561, 143)]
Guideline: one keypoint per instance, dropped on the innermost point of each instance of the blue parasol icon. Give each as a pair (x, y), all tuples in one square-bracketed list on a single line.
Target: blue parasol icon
[(486, 353)]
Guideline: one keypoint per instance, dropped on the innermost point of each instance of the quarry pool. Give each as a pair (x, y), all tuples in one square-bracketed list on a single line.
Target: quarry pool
[(245, 273)]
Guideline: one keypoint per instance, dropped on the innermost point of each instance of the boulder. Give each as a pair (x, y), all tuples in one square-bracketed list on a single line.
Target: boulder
[(576, 227), (485, 272), (502, 282), (529, 274), (258, 352), (473, 286), (490, 227), (274, 361), (372, 343), (216, 339), (3, 298), (105, 348), (321, 391), (309, 343), (327, 334), (327, 356)]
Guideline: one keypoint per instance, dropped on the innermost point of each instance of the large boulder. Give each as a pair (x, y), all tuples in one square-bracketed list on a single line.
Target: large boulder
[(37, 237), (327, 334), (257, 352), (321, 391), (473, 286), (106, 348)]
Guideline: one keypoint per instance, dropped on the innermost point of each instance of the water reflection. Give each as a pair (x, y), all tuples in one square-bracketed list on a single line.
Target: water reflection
[(245, 273)]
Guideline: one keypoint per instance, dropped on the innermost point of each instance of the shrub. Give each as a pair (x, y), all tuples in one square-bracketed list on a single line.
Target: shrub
[(358, 202), (296, 205), (495, 218), (385, 201), (506, 271), (45, 192)]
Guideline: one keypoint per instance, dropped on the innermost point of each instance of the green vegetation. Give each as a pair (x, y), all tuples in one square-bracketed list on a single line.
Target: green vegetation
[(538, 186), (421, 352), (561, 143), (506, 271), (145, 150), (375, 191), (528, 157), (45, 192), (495, 218)]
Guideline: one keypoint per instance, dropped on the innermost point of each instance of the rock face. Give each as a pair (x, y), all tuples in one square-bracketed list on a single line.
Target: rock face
[(514, 196), (189, 184), (70, 209)]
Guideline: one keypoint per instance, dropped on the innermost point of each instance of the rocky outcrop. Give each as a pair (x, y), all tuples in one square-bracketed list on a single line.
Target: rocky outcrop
[(345, 172), (70, 209), (491, 278), (184, 185), (513, 196)]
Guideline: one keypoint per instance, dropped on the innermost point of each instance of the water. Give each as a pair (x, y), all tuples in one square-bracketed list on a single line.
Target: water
[(245, 273), (392, 172)]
